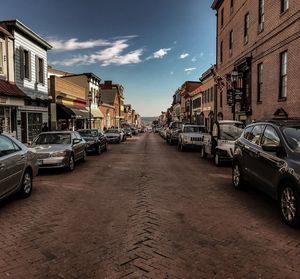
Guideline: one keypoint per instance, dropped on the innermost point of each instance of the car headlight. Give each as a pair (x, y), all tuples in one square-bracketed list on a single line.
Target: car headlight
[(58, 154)]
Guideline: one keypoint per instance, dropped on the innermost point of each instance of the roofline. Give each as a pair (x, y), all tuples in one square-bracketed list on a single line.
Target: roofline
[(207, 73), (21, 26), (216, 4), (85, 74)]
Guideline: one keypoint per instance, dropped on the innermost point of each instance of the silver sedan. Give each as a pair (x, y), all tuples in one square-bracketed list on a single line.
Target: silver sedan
[(18, 166), (59, 149)]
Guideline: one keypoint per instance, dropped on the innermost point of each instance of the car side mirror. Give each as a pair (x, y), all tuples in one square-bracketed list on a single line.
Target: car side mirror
[(270, 148), (29, 143), (76, 141)]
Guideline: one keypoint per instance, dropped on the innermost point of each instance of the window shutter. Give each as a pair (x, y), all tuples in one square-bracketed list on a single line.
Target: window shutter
[(43, 72), (36, 69), (21, 56), (29, 65)]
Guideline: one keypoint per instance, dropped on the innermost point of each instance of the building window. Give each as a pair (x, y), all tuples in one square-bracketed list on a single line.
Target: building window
[(260, 69), (261, 15), (246, 28), (231, 6), (26, 63), (221, 52), (283, 75), (212, 94), (284, 5), (40, 70), (222, 17), (221, 99), (230, 42), (1, 58)]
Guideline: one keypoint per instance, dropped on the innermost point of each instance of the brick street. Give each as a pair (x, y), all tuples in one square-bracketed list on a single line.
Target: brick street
[(145, 210)]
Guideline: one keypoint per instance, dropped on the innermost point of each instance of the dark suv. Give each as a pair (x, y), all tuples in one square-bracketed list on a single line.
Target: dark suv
[(268, 155)]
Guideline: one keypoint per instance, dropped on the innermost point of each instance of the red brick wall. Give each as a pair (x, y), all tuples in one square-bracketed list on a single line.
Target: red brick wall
[(281, 32)]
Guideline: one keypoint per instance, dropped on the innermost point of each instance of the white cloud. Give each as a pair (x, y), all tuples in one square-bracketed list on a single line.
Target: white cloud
[(171, 73), (108, 56), (194, 59), (190, 70), (159, 54), (74, 44), (184, 55), (201, 54)]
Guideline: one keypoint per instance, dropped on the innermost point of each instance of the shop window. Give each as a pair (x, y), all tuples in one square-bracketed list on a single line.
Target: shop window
[(35, 124)]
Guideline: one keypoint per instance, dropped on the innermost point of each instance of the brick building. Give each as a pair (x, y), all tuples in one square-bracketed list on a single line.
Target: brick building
[(259, 40)]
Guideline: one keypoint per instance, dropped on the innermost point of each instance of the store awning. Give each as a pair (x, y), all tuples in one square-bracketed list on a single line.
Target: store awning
[(96, 113), (11, 89), (73, 113)]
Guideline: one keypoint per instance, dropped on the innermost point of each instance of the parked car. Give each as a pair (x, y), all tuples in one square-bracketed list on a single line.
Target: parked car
[(191, 136), (267, 156), (18, 167), (59, 149), (128, 132), (220, 142), (172, 133), (113, 136), (95, 139), (134, 131)]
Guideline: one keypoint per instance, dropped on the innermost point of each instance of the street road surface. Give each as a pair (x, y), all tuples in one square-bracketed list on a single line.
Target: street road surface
[(145, 210)]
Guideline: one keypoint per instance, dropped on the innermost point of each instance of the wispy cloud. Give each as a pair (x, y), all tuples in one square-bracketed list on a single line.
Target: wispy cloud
[(184, 55), (189, 70), (159, 54), (74, 44), (113, 54), (172, 73), (194, 59)]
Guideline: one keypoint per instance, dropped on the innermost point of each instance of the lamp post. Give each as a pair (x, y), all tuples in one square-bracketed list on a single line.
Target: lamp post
[(90, 97), (50, 98), (234, 76)]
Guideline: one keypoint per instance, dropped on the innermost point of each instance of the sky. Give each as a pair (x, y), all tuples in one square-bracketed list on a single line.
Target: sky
[(151, 47)]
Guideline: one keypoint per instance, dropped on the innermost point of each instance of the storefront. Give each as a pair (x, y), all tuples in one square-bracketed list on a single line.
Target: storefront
[(11, 98)]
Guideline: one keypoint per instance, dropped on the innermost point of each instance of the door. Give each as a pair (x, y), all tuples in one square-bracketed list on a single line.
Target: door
[(269, 162), (251, 152), (24, 127), (12, 163)]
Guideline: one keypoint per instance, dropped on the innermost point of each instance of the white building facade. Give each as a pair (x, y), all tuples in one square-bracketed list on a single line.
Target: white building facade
[(31, 77)]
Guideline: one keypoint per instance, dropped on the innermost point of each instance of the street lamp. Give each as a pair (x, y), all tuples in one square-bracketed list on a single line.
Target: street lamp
[(90, 97), (234, 77)]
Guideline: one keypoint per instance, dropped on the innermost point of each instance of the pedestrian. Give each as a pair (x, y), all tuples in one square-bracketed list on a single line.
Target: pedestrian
[(45, 127)]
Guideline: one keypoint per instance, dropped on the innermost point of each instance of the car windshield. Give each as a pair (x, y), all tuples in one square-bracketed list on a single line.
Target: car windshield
[(231, 131), (194, 129), (88, 133), (292, 135), (53, 138), (112, 131)]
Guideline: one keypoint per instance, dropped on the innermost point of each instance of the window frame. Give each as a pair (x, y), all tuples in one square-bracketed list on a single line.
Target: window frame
[(221, 52), (283, 77), (261, 15), (246, 27), (284, 6), (1, 59), (260, 81), (230, 42)]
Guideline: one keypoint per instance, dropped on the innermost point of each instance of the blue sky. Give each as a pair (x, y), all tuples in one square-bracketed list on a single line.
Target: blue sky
[(149, 46)]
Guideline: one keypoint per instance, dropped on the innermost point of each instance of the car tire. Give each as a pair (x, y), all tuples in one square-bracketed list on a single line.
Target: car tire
[(98, 149), (289, 202), (84, 156), (26, 186), (203, 153), (71, 163), (237, 177), (217, 159), (182, 147)]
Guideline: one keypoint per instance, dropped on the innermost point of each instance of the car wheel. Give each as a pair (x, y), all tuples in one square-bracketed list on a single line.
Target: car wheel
[(98, 150), (71, 164), (203, 153), (237, 178), (84, 156), (217, 159), (290, 205), (182, 147), (26, 186)]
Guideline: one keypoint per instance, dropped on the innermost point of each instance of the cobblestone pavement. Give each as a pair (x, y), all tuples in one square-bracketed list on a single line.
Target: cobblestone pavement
[(145, 210)]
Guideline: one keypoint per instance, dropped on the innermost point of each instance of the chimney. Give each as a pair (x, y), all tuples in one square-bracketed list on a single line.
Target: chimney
[(108, 84)]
